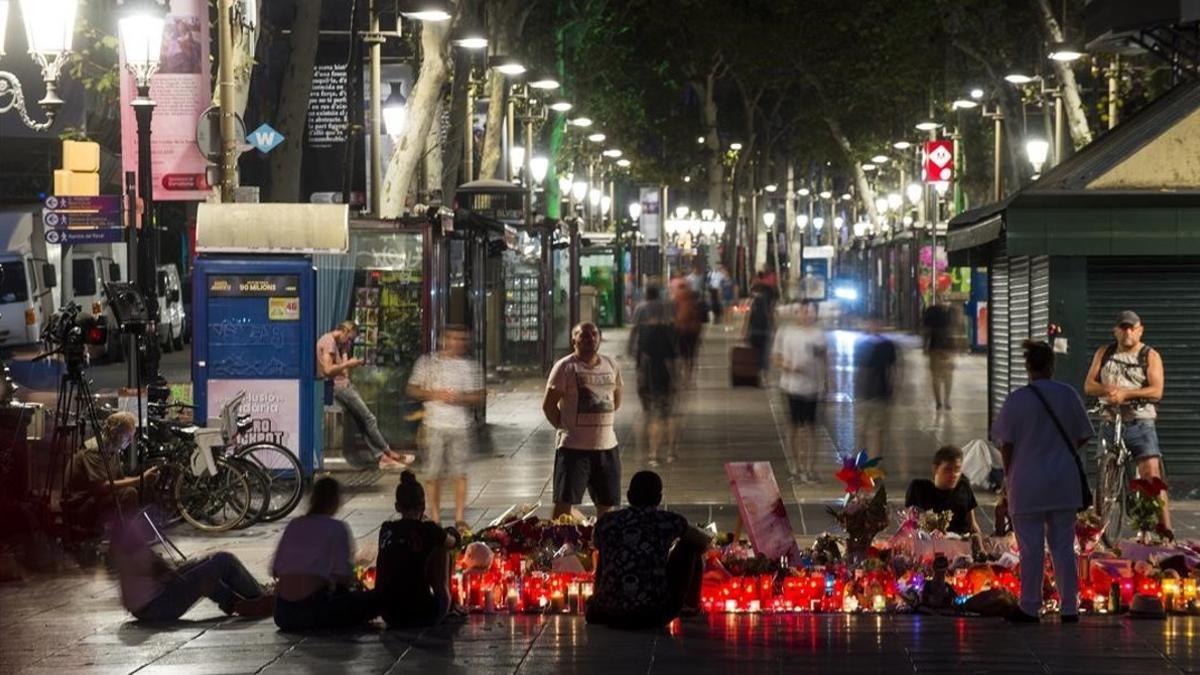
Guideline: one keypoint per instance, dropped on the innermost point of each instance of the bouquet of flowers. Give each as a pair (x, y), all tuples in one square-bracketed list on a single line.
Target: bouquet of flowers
[(1145, 507), (863, 515), (1088, 528), (935, 522)]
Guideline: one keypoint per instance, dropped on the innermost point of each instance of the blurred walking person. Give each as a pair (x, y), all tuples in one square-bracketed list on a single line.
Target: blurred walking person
[(689, 319), (655, 355), (1039, 430), (652, 309), (802, 356), (874, 385), (939, 348), (760, 323), (450, 384)]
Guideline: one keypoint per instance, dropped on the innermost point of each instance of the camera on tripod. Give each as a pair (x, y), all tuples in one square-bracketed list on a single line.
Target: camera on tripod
[(69, 332)]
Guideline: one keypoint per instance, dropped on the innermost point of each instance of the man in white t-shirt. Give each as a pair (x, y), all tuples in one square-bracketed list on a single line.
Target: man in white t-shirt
[(583, 394), (800, 352), (450, 384)]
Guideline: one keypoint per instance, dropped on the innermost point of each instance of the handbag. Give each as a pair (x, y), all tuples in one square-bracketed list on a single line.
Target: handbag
[(1088, 499)]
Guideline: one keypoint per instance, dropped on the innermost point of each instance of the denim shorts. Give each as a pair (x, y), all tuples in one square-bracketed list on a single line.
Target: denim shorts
[(1141, 438)]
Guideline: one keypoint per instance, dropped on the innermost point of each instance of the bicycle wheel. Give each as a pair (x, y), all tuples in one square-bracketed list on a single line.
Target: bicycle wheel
[(260, 490), (213, 503), (1110, 501), (283, 470)]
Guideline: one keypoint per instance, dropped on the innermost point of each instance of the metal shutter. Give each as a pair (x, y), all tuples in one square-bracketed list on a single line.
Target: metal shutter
[(1039, 296), (1018, 319), (1165, 292), (998, 310)]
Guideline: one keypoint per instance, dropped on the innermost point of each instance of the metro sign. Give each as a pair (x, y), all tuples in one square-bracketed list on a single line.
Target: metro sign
[(939, 161)]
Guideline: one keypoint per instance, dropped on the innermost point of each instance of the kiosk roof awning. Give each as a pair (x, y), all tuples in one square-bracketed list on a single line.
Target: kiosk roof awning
[(272, 228)]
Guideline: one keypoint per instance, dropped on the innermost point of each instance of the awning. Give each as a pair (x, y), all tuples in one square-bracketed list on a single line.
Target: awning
[(975, 235), (272, 228)]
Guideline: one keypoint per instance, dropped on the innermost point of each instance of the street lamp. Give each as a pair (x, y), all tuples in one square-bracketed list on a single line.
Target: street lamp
[(635, 211), (561, 105), (581, 122), (895, 201), (1018, 78), (825, 194), (605, 204), (395, 111), (818, 223), (768, 219), (880, 159), (507, 65), (838, 222), (594, 197), (915, 192), (976, 93), (612, 153), (426, 10), (881, 205), (516, 158), (802, 221), (901, 145), (804, 192), (1064, 53), (141, 31), (735, 146), (579, 190), (538, 166), (564, 183), (928, 125), (624, 163), (544, 83), (49, 27), (1037, 149), (964, 104)]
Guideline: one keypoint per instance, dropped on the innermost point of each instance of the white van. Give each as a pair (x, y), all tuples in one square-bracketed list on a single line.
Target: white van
[(25, 283), (171, 327), (92, 266)]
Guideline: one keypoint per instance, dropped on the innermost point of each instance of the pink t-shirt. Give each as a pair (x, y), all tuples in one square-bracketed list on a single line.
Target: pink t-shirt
[(328, 345)]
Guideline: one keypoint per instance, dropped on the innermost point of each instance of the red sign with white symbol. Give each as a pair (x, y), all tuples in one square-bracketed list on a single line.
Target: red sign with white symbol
[(939, 161)]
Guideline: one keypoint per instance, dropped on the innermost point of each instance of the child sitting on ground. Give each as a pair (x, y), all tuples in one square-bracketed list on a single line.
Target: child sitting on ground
[(948, 491), (412, 575)]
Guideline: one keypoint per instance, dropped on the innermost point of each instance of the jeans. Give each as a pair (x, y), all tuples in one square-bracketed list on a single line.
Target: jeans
[(354, 406), (220, 577), (1033, 531), (326, 609)]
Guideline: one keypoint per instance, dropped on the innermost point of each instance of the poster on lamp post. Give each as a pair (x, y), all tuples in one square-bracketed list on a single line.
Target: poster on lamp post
[(649, 222), (181, 92)]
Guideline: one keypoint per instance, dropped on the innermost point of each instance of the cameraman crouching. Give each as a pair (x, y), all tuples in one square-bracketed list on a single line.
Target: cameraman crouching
[(90, 497)]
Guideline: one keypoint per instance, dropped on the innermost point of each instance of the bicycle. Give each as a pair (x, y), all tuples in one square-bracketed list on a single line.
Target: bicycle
[(1114, 471)]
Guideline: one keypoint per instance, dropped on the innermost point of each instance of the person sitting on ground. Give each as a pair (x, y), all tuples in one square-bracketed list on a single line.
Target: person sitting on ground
[(314, 567), (948, 491), (91, 498), (153, 589), (641, 581), (412, 576)]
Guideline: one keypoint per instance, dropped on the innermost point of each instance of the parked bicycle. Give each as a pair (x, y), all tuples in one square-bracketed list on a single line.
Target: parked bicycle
[(213, 481), (1114, 470)]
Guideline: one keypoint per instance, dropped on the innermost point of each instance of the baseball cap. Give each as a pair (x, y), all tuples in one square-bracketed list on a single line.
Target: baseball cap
[(1128, 317)]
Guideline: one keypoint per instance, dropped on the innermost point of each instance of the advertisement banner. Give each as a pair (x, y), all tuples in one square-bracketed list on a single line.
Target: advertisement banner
[(651, 219), (181, 92), (273, 406)]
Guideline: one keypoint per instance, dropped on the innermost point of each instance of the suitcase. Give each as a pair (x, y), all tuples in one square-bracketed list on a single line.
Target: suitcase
[(743, 366)]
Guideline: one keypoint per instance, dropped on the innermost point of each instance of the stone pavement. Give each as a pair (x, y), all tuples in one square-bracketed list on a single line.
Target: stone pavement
[(72, 621)]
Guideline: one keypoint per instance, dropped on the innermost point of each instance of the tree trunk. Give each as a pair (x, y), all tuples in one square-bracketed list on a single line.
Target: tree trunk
[(293, 102), (712, 141), (1077, 121), (504, 19), (433, 149), (865, 192), (422, 108), (452, 155)]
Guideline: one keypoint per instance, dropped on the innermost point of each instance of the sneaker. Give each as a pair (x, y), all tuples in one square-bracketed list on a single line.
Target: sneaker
[(404, 458), (386, 463)]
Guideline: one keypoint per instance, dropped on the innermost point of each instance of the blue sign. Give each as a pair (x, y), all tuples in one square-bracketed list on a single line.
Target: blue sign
[(103, 203), (264, 138), (94, 220), (103, 235)]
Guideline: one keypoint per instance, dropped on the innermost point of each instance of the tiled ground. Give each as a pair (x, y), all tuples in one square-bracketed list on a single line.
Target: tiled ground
[(71, 621)]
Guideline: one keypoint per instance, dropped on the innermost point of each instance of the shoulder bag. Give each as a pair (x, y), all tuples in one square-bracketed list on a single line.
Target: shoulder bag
[(1088, 499)]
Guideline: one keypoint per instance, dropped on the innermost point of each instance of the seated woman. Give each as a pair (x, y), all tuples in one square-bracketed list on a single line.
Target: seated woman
[(313, 564), (651, 561), (153, 589), (412, 575), (948, 491)]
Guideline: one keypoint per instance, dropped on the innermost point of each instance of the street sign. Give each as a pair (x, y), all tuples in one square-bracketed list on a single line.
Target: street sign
[(102, 203), (106, 235), (939, 161), (264, 138), (208, 134), (84, 220)]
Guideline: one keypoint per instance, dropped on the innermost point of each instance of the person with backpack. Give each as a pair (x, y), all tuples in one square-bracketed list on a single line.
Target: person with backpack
[(1039, 429), (1128, 375)]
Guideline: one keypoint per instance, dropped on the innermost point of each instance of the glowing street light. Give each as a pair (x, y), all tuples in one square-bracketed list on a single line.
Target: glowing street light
[(818, 223), (901, 145), (516, 158), (581, 122), (594, 197), (895, 201), (624, 163), (579, 190), (1018, 78), (635, 211), (561, 105), (564, 183), (1037, 150), (802, 221), (539, 166), (395, 111), (735, 146), (928, 125), (433, 11), (597, 137), (804, 192), (768, 219), (915, 192), (826, 194)]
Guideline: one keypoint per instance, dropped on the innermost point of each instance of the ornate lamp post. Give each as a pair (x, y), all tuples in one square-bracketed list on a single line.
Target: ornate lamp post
[(141, 28), (49, 27)]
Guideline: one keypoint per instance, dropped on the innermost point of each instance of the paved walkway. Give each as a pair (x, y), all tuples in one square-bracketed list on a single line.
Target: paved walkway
[(71, 621)]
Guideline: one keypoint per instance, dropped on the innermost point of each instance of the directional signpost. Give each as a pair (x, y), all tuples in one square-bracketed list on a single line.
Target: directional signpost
[(83, 220)]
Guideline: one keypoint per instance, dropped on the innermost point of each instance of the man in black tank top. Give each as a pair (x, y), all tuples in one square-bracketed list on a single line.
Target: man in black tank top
[(1129, 374)]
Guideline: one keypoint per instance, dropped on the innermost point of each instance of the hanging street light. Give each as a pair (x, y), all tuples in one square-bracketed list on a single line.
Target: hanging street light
[(880, 159), (895, 201), (579, 190), (901, 145), (735, 146), (507, 65), (846, 196), (804, 192), (768, 219), (49, 28), (1064, 53), (594, 197), (561, 105), (605, 204), (624, 163), (826, 194), (1018, 78), (818, 223), (915, 192), (433, 11), (564, 183), (516, 158), (928, 125), (612, 153), (597, 137), (964, 104), (395, 110), (544, 83), (581, 122), (977, 93)]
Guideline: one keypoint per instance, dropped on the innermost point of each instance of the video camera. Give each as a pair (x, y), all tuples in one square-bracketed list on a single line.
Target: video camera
[(69, 331)]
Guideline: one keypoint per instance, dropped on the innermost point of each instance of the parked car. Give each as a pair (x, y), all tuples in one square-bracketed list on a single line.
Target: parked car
[(172, 327)]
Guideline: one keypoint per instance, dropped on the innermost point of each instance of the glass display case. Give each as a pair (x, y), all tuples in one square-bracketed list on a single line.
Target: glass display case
[(521, 271), (388, 306), (597, 268)]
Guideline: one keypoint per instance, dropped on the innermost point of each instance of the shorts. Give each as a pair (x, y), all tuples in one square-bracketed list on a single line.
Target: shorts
[(657, 404), (1141, 438), (597, 471), (446, 452), (802, 409)]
